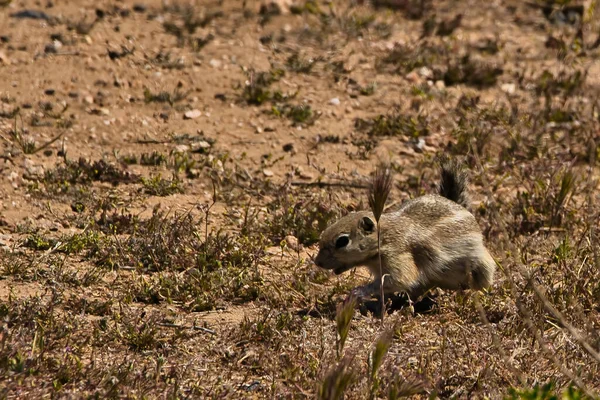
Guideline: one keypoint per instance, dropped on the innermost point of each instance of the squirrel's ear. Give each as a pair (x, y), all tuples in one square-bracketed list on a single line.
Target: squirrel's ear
[(367, 224)]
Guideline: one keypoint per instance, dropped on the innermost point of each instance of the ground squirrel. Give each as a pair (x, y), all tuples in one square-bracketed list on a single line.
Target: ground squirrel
[(430, 241)]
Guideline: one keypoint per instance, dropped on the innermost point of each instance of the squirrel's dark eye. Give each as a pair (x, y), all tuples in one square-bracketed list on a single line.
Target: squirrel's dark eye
[(342, 241)]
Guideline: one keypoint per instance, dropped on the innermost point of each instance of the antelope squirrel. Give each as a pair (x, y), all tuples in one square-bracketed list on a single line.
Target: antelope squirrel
[(430, 241)]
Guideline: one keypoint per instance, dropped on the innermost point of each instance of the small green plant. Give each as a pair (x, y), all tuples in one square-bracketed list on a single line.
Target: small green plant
[(158, 186), (302, 65), (545, 392), (153, 159), (256, 91), (403, 59), (82, 172), (368, 90), (308, 6), (165, 97), (468, 72), (303, 217), (27, 145), (39, 243), (565, 83), (186, 22), (394, 124)]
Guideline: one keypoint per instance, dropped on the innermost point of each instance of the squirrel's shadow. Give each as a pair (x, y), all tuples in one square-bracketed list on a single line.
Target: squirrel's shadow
[(393, 303), (397, 302)]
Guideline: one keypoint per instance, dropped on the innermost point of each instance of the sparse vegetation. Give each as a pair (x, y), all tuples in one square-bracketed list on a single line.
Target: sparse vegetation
[(150, 253), (394, 124)]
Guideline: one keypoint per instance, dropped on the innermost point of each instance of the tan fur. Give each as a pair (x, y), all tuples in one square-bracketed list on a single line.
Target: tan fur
[(429, 242)]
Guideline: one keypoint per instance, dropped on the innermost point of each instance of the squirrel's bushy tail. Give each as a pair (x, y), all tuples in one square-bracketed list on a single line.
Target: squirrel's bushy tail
[(455, 181)]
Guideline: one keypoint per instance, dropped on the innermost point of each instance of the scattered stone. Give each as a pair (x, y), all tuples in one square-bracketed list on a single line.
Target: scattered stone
[(304, 175), (426, 72), (215, 63), (419, 145), (288, 147), (32, 170), (4, 59), (182, 148), (88, 99), (50, 49), (139, 8), (293, 243), (200, 147), (413, 77), (192, 114), (31, 14), (268, 172), (335, 101), (509, 88), (49, 92), (73, 95)]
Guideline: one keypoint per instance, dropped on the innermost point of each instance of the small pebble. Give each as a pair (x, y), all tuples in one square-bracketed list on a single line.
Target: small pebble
[(288, 147), (509, 88), (4, 58), (139, 8), (268, 172), (335, 101), (192, 114), (292, 243)]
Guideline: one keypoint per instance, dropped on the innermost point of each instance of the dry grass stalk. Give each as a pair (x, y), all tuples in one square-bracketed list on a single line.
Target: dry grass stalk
[(379, 191)]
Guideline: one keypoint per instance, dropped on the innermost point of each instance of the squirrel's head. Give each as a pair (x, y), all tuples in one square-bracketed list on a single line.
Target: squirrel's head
[(348, 243)]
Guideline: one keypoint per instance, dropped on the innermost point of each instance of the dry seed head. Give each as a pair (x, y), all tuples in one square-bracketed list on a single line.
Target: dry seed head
[(343, 317), (381, 186)]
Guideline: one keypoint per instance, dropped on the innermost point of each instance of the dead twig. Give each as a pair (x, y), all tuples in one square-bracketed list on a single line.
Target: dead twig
[(194, 327), (331, 184)]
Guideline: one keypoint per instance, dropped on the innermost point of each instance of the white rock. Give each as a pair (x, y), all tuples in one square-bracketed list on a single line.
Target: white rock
[(426, 72), (201, 145), (509, 88), (192, 114), (215, 63), (335, 101), (182, 148), (268, 172)]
